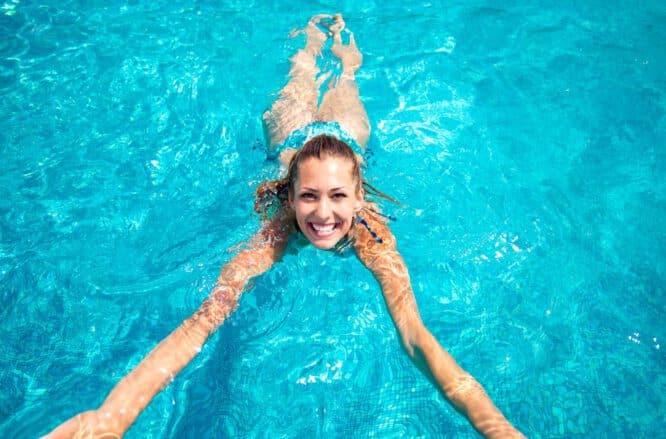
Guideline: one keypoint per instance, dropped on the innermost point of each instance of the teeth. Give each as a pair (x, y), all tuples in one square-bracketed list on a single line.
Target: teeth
[(323, 227)]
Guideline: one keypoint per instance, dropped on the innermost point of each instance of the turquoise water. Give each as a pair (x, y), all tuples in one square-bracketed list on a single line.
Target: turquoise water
[(526, 141)]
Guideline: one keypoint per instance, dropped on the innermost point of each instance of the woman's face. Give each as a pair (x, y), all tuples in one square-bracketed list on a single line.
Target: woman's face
[(325, 199)]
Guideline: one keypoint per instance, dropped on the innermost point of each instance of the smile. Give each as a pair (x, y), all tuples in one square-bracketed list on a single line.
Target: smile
[(323, 230)]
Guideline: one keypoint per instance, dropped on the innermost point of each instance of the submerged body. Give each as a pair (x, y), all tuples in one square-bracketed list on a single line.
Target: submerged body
[(322, 197)]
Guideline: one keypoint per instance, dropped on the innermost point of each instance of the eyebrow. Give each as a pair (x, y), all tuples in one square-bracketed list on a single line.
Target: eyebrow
[(308, 189)]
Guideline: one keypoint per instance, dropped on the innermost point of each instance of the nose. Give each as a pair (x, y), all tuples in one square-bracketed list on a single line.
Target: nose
[(323, 209)]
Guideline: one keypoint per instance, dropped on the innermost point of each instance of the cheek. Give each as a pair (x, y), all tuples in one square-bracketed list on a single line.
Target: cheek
[(300, 211), (349, 211)]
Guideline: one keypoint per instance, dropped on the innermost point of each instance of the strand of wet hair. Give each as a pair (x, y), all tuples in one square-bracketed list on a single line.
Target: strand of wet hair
[(370, 189)]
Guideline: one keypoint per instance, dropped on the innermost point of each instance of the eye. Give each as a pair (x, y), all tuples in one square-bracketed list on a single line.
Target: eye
[(339, 195), (307, 196)]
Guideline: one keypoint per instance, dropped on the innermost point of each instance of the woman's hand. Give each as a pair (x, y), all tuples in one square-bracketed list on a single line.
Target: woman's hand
[(458, 386), (134, 392), (93, 424)]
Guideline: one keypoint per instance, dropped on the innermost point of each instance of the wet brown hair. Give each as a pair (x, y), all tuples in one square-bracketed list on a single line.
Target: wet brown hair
[(320, 147)]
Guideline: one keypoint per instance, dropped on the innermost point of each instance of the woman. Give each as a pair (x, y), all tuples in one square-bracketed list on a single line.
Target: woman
[(322, 197)]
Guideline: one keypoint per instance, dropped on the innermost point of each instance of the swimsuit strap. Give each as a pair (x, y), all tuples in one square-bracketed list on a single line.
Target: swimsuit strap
[(367, 226)]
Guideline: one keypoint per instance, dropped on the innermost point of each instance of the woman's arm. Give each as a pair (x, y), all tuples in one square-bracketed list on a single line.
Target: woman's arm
[(133, 393), (458, 386)]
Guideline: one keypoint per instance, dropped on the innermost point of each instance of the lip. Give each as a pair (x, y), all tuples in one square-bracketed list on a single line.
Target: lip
[(329, 229)]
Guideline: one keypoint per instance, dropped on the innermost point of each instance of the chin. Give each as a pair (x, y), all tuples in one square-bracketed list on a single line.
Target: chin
[(327, 245)]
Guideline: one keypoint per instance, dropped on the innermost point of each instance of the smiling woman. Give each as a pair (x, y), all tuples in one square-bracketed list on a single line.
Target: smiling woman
[(322, 196), (325, 198)]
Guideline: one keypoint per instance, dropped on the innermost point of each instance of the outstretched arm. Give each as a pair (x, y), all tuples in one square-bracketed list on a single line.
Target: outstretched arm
[(133, 393), (458, 386)]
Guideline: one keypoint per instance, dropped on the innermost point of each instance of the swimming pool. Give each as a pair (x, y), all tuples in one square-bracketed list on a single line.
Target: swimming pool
[(527, 143)]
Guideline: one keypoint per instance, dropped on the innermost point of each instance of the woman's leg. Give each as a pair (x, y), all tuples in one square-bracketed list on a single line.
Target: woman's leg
[(297, 101), (342, 102)]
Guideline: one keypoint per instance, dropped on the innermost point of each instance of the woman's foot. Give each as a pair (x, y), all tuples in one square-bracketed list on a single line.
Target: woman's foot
[(316, 33), (349, 54), (328, 24), (337, 25)]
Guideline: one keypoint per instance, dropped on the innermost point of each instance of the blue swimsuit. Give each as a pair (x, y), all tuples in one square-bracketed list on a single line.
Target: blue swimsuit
[(298, 137)]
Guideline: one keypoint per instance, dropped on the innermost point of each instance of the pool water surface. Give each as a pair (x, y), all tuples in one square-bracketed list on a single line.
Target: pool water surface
[(526, 143)]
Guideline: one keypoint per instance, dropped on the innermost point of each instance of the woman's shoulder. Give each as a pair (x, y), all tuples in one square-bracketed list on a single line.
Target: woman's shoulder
[(372, 235), (271, 199)]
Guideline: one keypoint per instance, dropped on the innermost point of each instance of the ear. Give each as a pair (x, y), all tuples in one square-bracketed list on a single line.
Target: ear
[(291, 200)]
